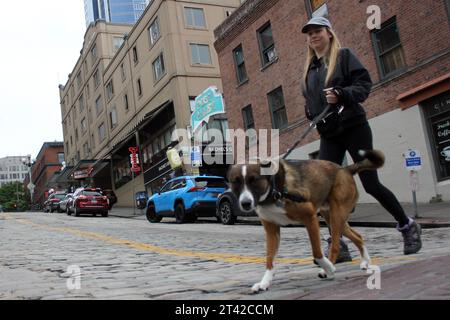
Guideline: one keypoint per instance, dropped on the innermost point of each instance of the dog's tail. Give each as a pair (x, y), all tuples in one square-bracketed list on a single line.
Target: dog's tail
[(373, 159)]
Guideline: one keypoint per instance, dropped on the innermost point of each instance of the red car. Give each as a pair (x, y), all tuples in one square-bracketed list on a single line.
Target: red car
[(88, 200)]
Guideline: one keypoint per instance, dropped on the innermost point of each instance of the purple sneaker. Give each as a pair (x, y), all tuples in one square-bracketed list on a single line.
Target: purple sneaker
[(411, 237)]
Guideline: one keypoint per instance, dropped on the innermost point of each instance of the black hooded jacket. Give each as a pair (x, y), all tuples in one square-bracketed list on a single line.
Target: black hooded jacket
[(350, 79)]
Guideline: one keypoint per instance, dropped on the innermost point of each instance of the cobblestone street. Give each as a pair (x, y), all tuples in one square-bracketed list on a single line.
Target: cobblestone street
[(133, 259)]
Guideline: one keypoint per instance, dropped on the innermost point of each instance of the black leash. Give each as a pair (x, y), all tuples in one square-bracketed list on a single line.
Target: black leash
[(277, 195), (312, 125)]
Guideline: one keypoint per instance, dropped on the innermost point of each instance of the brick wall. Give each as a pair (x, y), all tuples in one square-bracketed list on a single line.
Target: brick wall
[(424, 32)]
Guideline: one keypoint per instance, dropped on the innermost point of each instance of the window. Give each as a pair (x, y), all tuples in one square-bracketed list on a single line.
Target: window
[(200, 54), (437, 118), (79, 79), (447, 2), (125, 98), (76, 134), (218, 124), (153, 32), (88, 90), (86, 150), (158, 67), (122, 72), (117, 43), (98, 105), (241, 72), (135, 55), (139, 87), (81, 103), (277, 108), (93, 54), (101, 132), (109, 90), (71, 141), (247, 116), (266, 45), (83, 125), (85, 66), (195, 18), (92, 141), (388, 48), (96, 78), (317, 8), (113, 118)]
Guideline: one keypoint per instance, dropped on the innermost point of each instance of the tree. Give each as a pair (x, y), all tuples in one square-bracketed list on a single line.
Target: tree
[(14, 197)]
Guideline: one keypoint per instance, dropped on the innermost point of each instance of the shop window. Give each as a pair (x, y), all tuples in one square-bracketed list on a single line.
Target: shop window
[(437, 113)]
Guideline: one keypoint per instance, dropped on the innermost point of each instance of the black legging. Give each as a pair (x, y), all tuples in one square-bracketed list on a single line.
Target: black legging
[(352, 140)]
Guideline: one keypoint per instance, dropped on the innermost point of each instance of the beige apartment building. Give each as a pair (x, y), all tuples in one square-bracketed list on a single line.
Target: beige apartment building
[(132, 86)]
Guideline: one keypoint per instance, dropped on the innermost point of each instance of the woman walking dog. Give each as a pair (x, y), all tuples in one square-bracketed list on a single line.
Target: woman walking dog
[(334, 75)]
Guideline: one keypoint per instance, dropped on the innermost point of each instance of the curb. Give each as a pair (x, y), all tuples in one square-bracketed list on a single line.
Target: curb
[(424, 223)]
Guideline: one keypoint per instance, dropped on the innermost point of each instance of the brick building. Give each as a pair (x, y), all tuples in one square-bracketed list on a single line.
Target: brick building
[(262, 51), (48, 161)]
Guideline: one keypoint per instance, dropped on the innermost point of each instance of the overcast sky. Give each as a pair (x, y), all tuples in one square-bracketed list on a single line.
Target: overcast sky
[(41, 42)]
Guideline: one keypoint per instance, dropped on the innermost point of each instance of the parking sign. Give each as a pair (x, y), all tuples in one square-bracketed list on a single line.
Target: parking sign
[(413, 160)]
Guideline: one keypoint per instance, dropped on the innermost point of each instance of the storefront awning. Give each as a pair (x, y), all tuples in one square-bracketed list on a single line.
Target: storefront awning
[(129, 133), (98, 166), (82, 169), (64, 176)]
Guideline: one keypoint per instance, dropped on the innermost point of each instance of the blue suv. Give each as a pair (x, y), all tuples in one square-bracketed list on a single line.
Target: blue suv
[(186, 198)]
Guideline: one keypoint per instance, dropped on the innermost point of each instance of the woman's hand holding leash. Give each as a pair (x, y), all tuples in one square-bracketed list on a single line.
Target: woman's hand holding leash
[(332, 95)]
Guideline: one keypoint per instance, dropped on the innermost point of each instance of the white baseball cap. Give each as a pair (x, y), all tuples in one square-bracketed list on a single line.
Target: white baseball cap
[(316, 21)]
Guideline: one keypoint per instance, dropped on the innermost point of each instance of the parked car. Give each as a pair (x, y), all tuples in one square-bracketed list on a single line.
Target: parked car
[(88, 200), (227, 208), (186, 198), (112, 198), (64, 202), (52, 202)]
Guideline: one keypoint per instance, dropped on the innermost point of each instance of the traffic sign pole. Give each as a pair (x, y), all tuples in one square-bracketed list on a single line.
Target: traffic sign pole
[(413, 163)]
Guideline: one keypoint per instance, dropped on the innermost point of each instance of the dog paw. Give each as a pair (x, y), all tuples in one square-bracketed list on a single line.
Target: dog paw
[(260, 286), (323, 275), (364, 265)]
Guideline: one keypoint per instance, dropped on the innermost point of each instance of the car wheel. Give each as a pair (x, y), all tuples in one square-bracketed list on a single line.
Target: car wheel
[(151, 215), (68, 211), (226, 213), (77, 213), (105, 214), (180, 213)]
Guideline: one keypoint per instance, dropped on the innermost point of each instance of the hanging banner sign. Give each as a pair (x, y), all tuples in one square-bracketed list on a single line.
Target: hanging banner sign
[(134, 159)]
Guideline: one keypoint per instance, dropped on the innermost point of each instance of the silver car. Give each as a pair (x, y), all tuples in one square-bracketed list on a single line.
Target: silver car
[(63, 203)]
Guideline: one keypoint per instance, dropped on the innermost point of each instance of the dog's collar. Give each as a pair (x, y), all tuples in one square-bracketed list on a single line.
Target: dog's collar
[(276, 195)]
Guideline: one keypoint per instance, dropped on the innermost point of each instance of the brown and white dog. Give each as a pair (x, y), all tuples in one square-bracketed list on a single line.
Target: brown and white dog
[(295, 194)]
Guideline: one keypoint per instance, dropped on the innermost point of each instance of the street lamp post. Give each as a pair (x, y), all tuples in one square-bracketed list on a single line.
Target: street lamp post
[(27, 161)]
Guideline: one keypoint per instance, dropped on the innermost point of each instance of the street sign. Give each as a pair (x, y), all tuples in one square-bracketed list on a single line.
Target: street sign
[(207, 104), (30, 186), (196, 156), (413, 160)]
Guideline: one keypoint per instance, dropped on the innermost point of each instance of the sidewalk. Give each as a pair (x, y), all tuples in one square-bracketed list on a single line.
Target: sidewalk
[(434, 215), (425, 279)]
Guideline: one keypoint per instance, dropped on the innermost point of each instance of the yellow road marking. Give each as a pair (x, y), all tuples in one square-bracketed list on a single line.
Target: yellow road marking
[(227, 257)]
